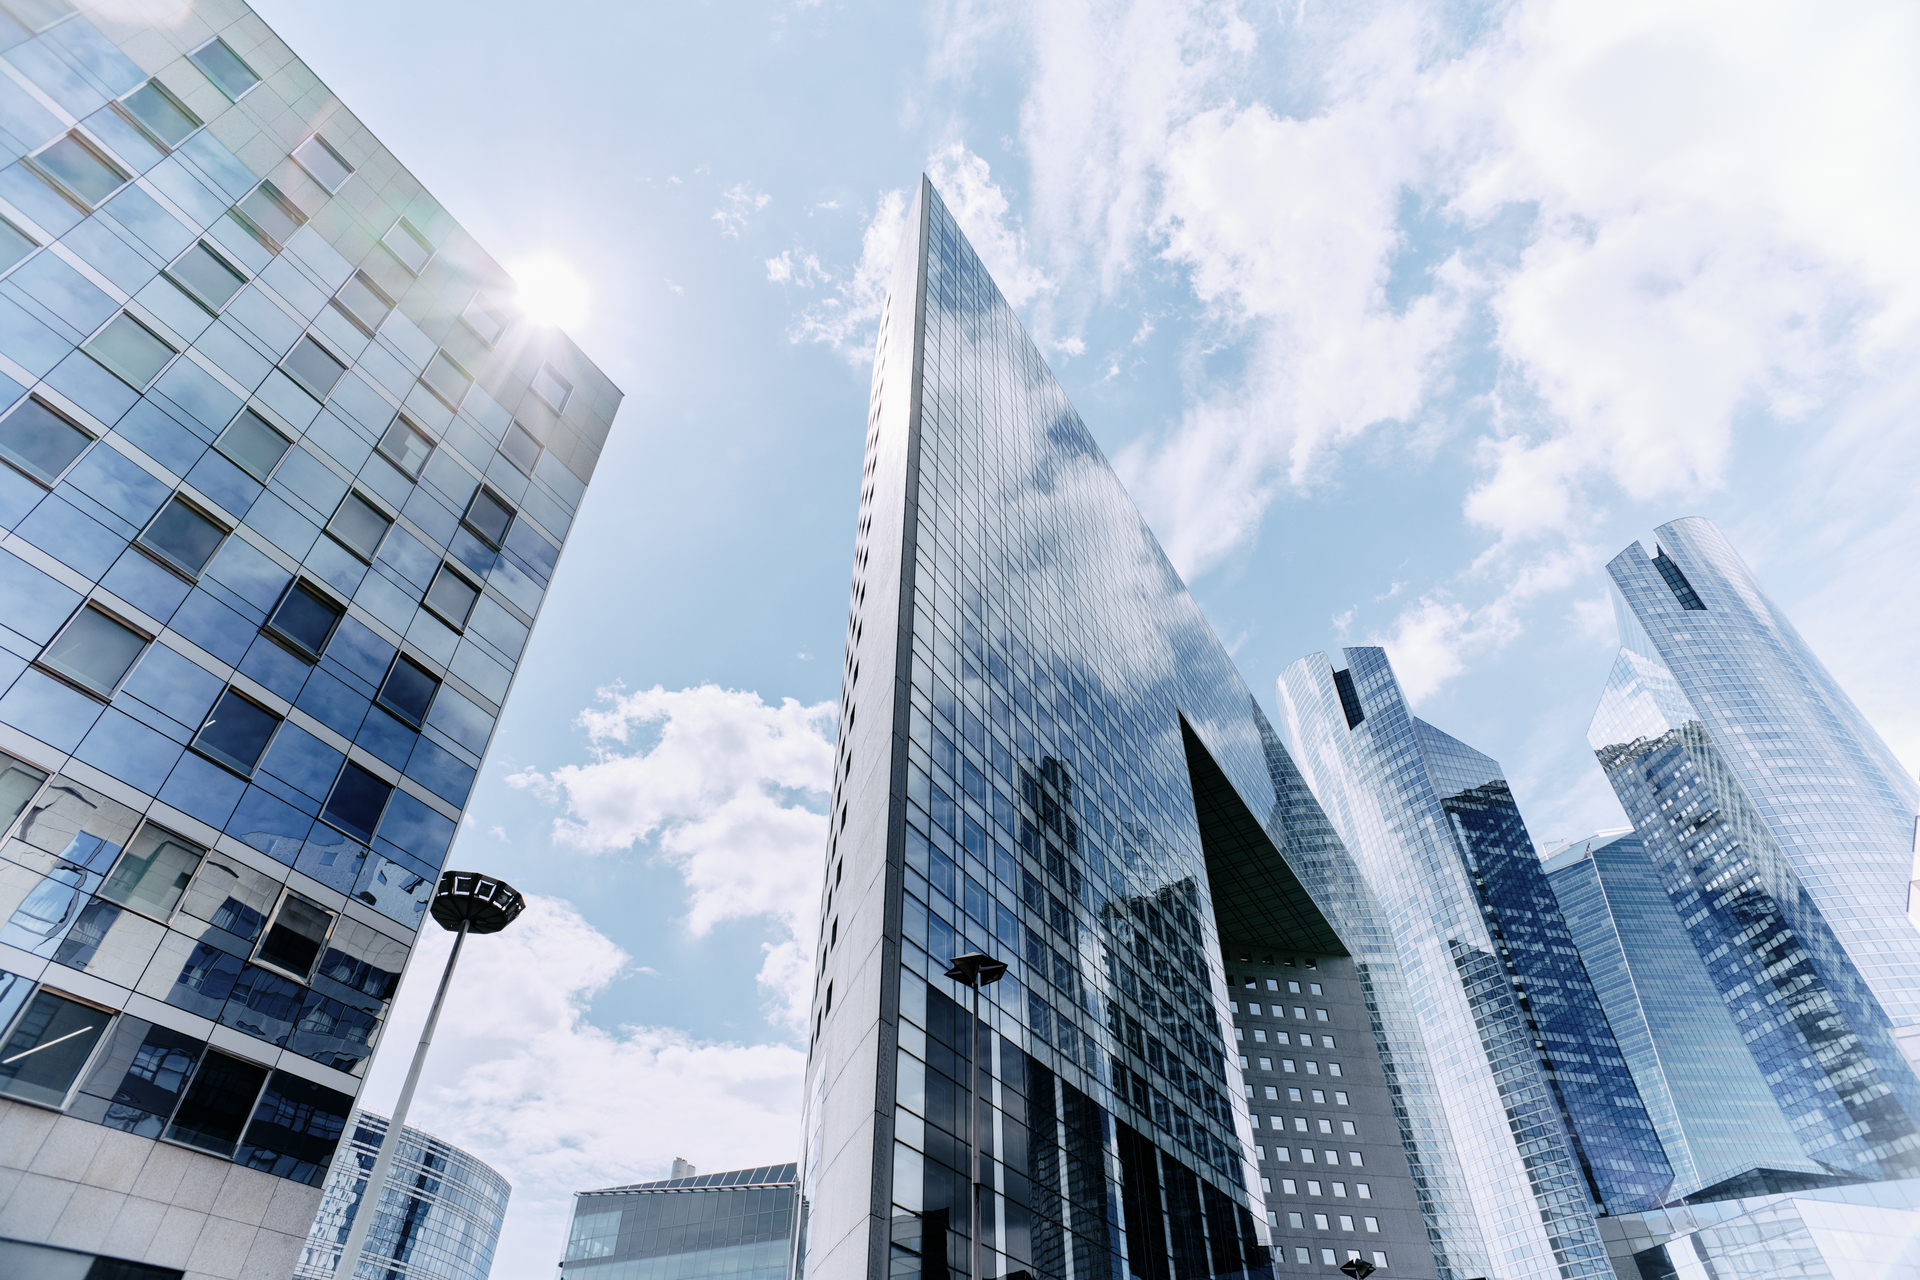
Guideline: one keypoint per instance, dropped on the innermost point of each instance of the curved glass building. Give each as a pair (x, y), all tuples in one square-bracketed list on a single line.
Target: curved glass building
[(437, 1218)]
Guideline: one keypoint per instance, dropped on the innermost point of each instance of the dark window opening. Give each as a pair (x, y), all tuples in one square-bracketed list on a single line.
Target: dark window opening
[(1349, 698), (489, 517), (305, 620), (408, 691), (183, 537), (217, 1104), (298, 933), (357, 801), (1677, 581), (237, 732)]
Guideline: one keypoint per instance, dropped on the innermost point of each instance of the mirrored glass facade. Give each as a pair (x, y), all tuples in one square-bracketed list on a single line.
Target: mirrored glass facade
[(1867, 1231), (724, 1226), (1045, 755), (283, 479), (438, 1216), (1781, 830)]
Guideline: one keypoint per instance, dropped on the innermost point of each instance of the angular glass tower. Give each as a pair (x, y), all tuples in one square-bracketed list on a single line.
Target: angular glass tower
[(1045, 755), (728, 1226), (1538, 1096), (283, 479), (1781, 829)]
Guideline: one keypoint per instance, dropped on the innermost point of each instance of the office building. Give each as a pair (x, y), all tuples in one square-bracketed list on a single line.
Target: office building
[(1861, 1231), (1721, 1129), (283, 479), (1781, 829), (737, 1226), (1045, 755), (437, 1218), (1538, 1097)]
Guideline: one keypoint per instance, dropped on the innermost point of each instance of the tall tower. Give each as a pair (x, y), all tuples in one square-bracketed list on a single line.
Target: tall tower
[(1781, 828), (1046, 756), (283, 479), (1536, 1091)]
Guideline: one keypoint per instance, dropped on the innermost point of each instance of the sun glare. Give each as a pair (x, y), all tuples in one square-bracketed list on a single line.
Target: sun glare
[(551, 291)]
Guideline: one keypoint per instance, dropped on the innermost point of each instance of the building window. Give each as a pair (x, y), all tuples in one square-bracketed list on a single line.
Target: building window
[(1266, 1064), (153, 872), (236, 732), (314, 367), (1379, 1260), (359, 525), (159, 114), (252, 444), (405, 242), (292, 943), (356, 802), (94, 651), (209, 278), (488, 517), (406, 447), (522, 450), (305, 620), (328, 167), (41, 443), (78, 171), (593, 1235), (1340, 1190), (1313, 1068), (1296, 1221), (1286, 1064), (1272, 1093), (1373, 1224), (1339, 1097), (1326, 1042), (486, 324), (1299, 1012), (552, 388), (217, 1104), (1346, 1222), (1293, 1095), (1333, 1068), (1346, 1127), (1320, 1222), (1286, 1185), (15, 245), (270, 215), (1366, 1191), (130, 351), (1326, 1126), (1326, 1257), (452, 597), (1313, 988), (1302, 1255), (1320, 1014), (228, 71), (446, 379), (408, 690), (1259, 1035), (364, 302), (182, 537), (1353, 1158), (50, 1044)]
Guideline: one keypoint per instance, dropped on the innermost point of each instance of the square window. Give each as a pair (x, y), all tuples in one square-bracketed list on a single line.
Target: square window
[(1293, 988), (406, 447), (1346, 1127), (1302, 1255), (153, 872), (1253, 1009), (236, 732), (405, 242), (229, 73), (305, 619), (253, 444), (1320, 1014), (210, 278), (486, 323), (447, 379), (1313, 1188), (1286, 1064), (1346, 1222), (1296, 1221), (1366, 1192), (1319, 1095), (1272, 985), (359, 525), (1379, 1260), (1313, 1068), (41, 442), (1300, 1124), (1373, 1224), (408, 691), (1293, 1095), (1339, 1097), (1299, 1012), (217, 1104), (1320, 1222), (452, 597), (328, 167), (79, 171), (183, 537), (1340, 1190), (364, 302), (1326, 1257), (1333, 1068), (1259, 1035), (1353, 1158), (1326, 1042), (292, 944), (522, 450), (552, 388), (161, 115), (1266, 1064), (130, 351), (1286, 1185), (1326, 1126), (270, 215), (1272, 1093), (94, 651), (314, 367), (50, 1043), (357, 800)]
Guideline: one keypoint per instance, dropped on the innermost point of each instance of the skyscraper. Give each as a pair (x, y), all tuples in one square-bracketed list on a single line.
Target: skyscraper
[(1045, 755), (1538, 1097), (1781, 829), (437, 1218), (284, 481), (736, 1225)]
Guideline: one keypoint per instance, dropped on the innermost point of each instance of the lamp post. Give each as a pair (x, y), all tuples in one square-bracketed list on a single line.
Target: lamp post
[(464, 903), (975, 970)]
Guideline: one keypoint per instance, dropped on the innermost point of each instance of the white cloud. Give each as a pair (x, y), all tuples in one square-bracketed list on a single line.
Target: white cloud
[(848, 321), (801, 269), (737, 206), (723, 793), (978, 204)]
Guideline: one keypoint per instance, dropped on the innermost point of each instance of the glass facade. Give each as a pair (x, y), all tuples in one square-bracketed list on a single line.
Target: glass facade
[(1718, 1122), (282, 484), (1781, 831), (728, 1226), (1539, 1097), (1867, 1231), (438, 1215), (1045, 755)]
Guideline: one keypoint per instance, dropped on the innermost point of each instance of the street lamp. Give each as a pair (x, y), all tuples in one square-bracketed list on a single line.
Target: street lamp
[(464, 903), (975, 970)]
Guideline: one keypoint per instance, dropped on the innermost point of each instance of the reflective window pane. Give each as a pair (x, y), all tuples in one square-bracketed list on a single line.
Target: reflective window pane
[(446, 379), (131, 350), (207, 276), (141, 1073), (360, 525), (237, 732), (183, 536), (484, 322), (38, 15), (162, 114), (313, 367), (489, 517), (452, 597), (153, 872), (406, 447), (224, 67), (15, 245), (40, 442), (306, 618), (95, 651), (49, 1045), (408, 691), (408, 245), (253, 443), (521, 448), (84, 172), (217, 1103), (357, 801), (364, 302), (272, 213), (294, 940), (328, 167), (552, 388)]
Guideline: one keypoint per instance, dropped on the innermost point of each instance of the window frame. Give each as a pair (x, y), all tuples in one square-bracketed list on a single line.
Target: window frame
[(200, 242), (193, 56), (290, 894), (566, 387), (121, 109), (325, 805), (402, 421), (354, 491), (92, 440), (273, 632), (326, 348), (426, 601), (265, 421), (514, 462), (466, 520), (43, 664), (146, 825), (207, 1054), (280, 200), (373, 287), (59, 185), (316, 138), (426, 381), (406, 717), (86, 1064), (165, 558), (193, 743), (474, 304), (404, 226), (124, 314)]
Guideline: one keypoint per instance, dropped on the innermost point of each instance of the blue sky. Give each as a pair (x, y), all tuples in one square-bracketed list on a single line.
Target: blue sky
[(1398, 321)]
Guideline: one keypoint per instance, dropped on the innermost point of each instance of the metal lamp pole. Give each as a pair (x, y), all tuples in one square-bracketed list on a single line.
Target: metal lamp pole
[(975, 970), (464, 903)]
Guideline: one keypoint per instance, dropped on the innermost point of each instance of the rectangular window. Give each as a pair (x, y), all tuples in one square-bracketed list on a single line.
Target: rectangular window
[(142, 1070), (1313, 1068), (1313, 1188), (253, 444), (1302, 1256), (78, 171), (447, 379), (95, 651), (552, 388), (357, 800), (408, 691), (405, 242), (364, 302), (1286, 1064), (160, 115), (1319, 1096), (328, 167), (1326, 1042), (485, 323), (270, 215), (236, 732), (1379, 1260), (1266, 1064), (1346, 1222), (406, 447), (1259, 1035), (314, 367), (1373, 1224), (1340, 1190), (521, 449), (15, 245), (452, 597), (50, 1044), (1326, 1126), (217, 1104), (1365, 1190), (1339, 1097), (130, 351), (292, 943), (1293, 988), (182, 537), (1299, 1012), (208, 277), (1313, 988), (1353, 1158), (1296, 1221), (1293, 1095), (228, 71), (1319, 1222), (305, 619), (153, 872), (1346, 1127), (359, 525), (1326, 1257), (36, 440), (1320, 1014), (1333, 1068), (1272, 1093), (1286, 1185)]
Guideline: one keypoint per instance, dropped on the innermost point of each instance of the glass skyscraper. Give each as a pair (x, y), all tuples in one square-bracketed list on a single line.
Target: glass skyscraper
[(1781, 829), (714, 1226), (283, 479), (1045, 755), (1539, 1098), (437, 1218)]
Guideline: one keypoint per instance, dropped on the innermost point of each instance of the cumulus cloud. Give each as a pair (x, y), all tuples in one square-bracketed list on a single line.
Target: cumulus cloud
[(737, 207), (802, 269), (849, 320)]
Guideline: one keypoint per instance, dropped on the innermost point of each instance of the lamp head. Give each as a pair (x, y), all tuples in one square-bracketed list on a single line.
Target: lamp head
[(976, 969), (482, 903)]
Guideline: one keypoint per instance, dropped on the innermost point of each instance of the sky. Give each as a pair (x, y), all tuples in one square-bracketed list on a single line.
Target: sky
[(1399, 321)]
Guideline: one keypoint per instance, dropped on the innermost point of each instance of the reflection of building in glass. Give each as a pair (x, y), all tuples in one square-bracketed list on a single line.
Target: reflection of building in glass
[(1045, 755), (736, 1226), (283, 480), (439, 1214), (1539, 1099), (1781, 829), (1865, 1231), (1719, 1124)]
